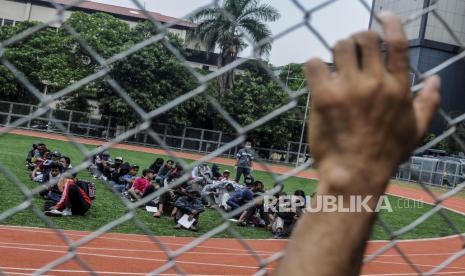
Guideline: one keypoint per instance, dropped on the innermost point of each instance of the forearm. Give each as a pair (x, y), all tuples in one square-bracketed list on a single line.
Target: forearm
[(333, 243)]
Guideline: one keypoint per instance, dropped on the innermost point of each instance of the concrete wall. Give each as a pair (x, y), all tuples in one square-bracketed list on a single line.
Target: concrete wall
[(453, 13), (13, 10), (403, 8)]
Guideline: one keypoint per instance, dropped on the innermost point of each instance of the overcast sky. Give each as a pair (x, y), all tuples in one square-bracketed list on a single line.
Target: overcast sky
[(335, 21)]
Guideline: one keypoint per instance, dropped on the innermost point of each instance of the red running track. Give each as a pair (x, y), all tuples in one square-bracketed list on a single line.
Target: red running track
[(23, 250)]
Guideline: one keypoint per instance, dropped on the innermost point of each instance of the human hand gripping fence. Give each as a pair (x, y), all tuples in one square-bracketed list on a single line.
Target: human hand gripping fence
[(420, 113)]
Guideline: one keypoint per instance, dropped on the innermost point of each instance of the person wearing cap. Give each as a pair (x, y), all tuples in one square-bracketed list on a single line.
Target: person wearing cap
[(190, 205), (141, 184), (225, 176), (55, 155), (245, 157)]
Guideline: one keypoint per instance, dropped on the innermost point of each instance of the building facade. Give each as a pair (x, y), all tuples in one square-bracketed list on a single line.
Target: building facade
[(431, 44), (16, 11)]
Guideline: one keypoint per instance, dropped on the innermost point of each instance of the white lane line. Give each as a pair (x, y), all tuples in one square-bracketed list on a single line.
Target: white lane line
[(133, 240), (417, 264), (100, 272), (133, 258), (127, 249)]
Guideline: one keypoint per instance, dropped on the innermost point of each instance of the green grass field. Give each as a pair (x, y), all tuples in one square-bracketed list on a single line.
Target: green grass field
[(108, 207)]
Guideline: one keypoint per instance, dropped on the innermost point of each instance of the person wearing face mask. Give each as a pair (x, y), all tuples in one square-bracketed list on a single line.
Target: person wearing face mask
[(245, 157)]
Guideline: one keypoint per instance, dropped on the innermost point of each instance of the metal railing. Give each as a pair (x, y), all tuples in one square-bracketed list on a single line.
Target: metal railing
[(97, 126)]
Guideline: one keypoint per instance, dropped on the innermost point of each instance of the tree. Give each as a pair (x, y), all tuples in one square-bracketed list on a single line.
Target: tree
[(252, 98), (215, 29), (39, 57), (152, 77), (106, 35), (52, 59)]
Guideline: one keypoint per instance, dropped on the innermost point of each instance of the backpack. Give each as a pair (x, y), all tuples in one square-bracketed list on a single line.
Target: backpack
[(88, 187)]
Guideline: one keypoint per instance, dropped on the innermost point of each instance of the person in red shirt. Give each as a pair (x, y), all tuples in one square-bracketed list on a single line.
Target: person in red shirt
[(73, 201), (141, 184)]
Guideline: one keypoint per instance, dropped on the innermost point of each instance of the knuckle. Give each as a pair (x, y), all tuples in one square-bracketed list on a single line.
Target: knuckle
[(398, 43), (313, 65), (343, 45), (364, 38)]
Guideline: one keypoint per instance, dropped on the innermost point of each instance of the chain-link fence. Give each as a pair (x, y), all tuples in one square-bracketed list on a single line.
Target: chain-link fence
[(437, 13)]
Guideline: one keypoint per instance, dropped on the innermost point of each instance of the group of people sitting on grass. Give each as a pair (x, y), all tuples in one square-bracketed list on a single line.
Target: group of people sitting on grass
[(182, 197), (63, 192)]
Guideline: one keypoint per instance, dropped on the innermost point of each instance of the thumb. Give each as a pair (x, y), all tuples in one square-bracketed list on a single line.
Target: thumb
[(426, 103)]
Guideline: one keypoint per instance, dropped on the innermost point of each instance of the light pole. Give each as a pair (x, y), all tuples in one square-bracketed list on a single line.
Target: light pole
[(304, 123)]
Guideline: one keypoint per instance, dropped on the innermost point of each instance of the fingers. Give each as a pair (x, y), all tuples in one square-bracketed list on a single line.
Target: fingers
[(317, 72), (318, 75), (369, 44), (397, 46), (345, 57), (426, 103)]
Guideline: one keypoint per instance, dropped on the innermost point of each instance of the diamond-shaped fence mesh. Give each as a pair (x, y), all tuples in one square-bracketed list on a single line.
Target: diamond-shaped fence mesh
[(422, 171)]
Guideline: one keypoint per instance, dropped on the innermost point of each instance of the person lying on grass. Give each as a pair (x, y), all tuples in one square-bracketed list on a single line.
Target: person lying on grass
[(74, 200), (189, 205), (364, 123)]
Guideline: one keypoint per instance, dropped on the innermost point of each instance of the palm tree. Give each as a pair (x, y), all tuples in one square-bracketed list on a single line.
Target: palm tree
[(223, 27)]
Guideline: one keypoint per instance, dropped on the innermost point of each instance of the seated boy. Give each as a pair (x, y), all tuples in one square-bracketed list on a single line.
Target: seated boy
[(190, 205), (167, 201), (141, 184), (74, 200)]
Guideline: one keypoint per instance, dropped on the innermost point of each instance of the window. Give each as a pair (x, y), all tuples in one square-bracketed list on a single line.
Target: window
[(8, 22)]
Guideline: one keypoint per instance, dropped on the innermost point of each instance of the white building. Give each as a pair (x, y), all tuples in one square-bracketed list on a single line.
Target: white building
[(14, 11)]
